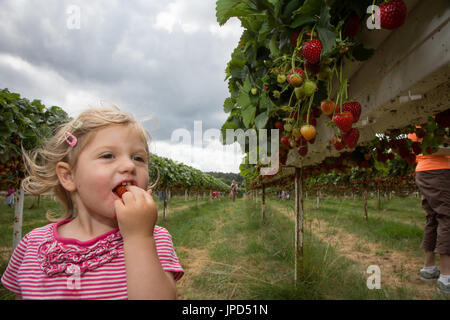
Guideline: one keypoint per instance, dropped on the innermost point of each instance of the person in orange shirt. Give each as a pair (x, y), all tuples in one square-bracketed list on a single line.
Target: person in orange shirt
[(433, 181)]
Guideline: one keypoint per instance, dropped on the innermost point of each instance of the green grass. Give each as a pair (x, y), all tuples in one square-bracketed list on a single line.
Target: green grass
[(246, 258), (398, 225)]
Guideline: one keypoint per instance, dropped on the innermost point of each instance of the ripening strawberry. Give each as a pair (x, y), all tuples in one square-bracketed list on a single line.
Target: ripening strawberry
[(312, 50), (327, 107), (296, 77), (308, 131), (393, 14)]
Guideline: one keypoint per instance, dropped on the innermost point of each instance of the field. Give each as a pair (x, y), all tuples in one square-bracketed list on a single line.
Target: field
[(227, 252)]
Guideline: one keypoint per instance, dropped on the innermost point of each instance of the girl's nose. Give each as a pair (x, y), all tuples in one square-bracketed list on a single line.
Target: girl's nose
[(127, 165)]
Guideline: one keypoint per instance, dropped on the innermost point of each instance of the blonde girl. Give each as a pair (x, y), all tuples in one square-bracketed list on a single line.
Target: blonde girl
[(106, 244)]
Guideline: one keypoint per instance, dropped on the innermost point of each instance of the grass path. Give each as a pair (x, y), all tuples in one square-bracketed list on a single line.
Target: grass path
[(398, 268)]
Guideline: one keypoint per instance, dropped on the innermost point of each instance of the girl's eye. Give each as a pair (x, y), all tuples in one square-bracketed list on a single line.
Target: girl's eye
[(138, 158), (106, 156)]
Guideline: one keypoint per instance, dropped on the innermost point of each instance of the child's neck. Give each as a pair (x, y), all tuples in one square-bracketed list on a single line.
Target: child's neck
[(84, 228)]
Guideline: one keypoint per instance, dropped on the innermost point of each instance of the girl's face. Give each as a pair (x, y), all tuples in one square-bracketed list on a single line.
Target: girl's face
[(115, 154)]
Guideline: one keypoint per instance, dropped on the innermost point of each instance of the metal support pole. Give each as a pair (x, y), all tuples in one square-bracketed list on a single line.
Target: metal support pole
[(298, 225)]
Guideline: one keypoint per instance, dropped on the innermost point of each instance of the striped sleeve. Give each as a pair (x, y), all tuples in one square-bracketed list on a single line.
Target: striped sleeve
[(166, 252), (10, 276)]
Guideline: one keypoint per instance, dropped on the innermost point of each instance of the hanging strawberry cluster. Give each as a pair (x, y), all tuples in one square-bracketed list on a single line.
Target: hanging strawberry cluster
[(288, 68)]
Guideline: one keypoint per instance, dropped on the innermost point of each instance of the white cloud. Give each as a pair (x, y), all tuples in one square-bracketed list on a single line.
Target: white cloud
[(212, 157)]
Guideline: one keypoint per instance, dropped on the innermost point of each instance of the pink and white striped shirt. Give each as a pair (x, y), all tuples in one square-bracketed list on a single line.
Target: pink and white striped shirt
[(47, 266)]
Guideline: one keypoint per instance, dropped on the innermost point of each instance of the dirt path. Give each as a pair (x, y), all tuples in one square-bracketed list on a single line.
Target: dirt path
[(397, 268)]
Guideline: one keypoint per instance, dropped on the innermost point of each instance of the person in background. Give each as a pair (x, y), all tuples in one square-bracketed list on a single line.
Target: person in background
[(234, 188), (433, 181), (9, 199)]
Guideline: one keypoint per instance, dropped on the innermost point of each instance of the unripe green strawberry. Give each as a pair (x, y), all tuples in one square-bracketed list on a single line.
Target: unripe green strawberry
[(309, 88), (254, 91), (288, 127), (299, 92), (281, 78), (276, 94)]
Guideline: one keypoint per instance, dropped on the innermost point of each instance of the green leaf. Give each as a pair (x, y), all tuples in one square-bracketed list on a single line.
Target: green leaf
[(248, 116), (302, 20), (328, 39), (309, 7), (273, 46), (243, 99), (261, 120), (360, 53), (228, 105), (225, 9)]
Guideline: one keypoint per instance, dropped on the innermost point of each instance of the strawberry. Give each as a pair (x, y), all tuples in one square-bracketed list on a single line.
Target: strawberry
[(327, 107), (351, 137), (353, 107), (296, 77), (285, 141), (343, 121), (312, 50), (352, 26), (303, 150), (393, 14), (338, 143), (294, 37), (279, 125), (120, 190), (338, 110), (308, 131), (313, 68)]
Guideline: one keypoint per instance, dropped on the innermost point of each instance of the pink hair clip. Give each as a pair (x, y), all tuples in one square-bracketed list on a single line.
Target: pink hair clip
[(70, 139)]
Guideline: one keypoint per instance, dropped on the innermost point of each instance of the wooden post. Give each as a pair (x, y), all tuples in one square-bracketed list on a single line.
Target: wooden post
[(263, 204), (165, 204), (196, 198), (185, 195), (365, 206), (18, 214), (298, 225), (318, 200)]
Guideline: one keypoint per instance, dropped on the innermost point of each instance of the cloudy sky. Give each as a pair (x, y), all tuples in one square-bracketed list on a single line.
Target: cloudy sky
[(161, 60)]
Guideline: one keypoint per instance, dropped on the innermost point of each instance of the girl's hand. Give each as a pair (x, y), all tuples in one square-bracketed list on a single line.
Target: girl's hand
[(136, 213)]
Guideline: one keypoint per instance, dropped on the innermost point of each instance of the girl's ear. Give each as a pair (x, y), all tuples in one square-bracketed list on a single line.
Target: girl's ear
[(65, 176)]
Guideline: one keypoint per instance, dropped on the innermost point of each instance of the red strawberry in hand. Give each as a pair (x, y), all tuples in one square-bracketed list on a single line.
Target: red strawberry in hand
[(311, 51), (120, 190), (393, 14), (344, 121), (353, 107), (351, 137)]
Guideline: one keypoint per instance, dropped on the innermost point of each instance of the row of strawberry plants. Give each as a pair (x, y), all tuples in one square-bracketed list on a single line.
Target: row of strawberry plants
[(178, 176), (388, 161), (22, 123)]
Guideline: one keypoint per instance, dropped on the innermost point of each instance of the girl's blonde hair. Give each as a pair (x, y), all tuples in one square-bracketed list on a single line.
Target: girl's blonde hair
[(41, 162)]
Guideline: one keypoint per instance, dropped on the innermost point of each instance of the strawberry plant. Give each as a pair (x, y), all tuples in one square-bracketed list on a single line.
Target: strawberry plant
[(24, 124)]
